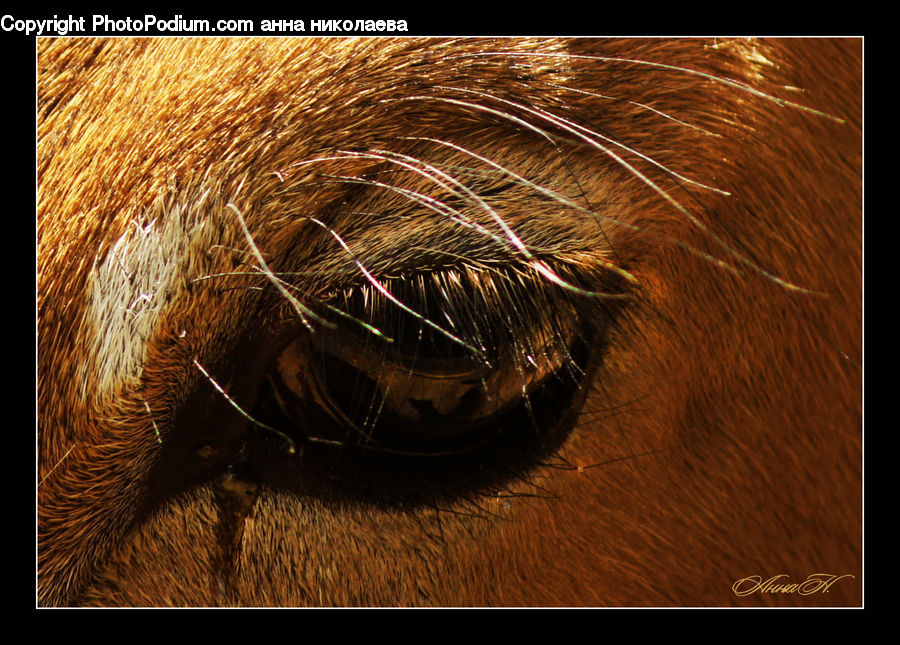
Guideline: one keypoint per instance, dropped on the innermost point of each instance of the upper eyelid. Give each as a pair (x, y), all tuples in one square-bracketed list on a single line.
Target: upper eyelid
[(590, 263), (509, 296)]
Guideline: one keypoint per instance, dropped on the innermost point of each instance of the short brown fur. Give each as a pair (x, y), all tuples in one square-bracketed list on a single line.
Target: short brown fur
[(720, 437)]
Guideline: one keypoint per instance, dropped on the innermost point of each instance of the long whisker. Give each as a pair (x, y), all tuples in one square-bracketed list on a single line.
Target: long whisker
[(567, 202), (562, 123), (539, 265), (643, 106), (592, 137), (387, 294), (155, 427), (424, 200), (56, 465), (302, 310), (685, 70), (516, 241), (291, 445), (340, 312)]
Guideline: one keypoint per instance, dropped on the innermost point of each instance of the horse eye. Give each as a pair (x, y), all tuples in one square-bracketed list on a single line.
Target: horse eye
[(450, 377)]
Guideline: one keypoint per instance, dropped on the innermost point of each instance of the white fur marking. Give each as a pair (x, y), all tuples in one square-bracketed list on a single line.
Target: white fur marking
[(145, 271)]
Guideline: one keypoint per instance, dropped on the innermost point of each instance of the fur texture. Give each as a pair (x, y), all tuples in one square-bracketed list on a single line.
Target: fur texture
[(202, 202)]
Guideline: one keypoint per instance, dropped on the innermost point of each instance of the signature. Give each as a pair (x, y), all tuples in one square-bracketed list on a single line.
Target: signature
[(815, 583)]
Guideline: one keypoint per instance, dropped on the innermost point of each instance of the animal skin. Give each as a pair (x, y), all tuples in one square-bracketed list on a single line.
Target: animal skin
[(449, 322)]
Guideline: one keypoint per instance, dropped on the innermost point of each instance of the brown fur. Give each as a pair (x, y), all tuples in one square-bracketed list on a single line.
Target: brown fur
[(719, 438)]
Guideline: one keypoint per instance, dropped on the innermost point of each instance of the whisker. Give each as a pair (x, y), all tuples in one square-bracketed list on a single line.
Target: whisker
[(510, 234), (643, 106), (340, 312), (227, 274), (291, 445), (150, 414), (646, 453), (374, 419), (56, 465), (590, 137), (428, 202), (686, 70), (374, 447), (537, 264), (622, 162), (387, 294), (403, 161), (302, 310), (567, 125)]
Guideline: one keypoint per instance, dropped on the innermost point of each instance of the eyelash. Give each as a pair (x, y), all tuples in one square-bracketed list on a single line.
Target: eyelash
[(444, 350), (464, 308)]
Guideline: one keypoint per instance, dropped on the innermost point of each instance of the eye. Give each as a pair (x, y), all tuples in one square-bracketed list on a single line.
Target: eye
[(436, 363)]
